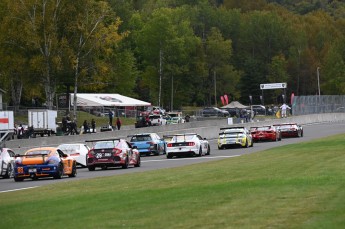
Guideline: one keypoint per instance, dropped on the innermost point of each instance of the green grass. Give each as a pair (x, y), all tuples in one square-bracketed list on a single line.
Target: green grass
[(293, 186)]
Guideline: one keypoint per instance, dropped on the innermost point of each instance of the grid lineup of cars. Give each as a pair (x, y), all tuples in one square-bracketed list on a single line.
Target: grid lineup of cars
[(61, 161)]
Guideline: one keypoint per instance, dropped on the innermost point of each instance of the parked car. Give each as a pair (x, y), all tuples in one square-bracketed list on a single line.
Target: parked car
[(6, 162), (259, 109), (44, 162), (78, 151), (113, 152), (142, 121), (148, 143), (175, 120), (190, 144), (157, 120), (290, 130), (233, 112), (214, 111), (266, 133), (234, 136)]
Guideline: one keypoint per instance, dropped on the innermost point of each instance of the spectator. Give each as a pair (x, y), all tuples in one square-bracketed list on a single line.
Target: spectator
[(111, 115), (118, 123), (187, 118), (93, 126), (284, 107), (85, 126)]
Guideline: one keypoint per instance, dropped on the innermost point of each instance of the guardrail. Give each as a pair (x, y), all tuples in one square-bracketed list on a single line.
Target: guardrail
[(208, 129)]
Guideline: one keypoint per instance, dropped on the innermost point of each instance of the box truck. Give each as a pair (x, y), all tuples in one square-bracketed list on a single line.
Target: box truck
[(43, 121), (6, 125)]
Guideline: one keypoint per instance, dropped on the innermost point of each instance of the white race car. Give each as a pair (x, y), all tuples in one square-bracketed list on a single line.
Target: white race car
[(78, 151), (6, 162), (187, 145)]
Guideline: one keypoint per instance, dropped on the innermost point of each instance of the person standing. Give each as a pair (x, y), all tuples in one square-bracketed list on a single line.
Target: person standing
[(118, 123), (111, 118), (93, 125), (284, 107)]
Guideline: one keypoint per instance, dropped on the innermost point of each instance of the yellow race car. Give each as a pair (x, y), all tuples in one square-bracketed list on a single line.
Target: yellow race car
[(234, 136)]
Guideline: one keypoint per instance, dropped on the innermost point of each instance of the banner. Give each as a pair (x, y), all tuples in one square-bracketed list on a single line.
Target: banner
[(222, 98), (226, 99)]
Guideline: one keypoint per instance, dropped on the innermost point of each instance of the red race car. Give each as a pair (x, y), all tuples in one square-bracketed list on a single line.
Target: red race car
[(290, 130), (112, 153), (265, 133)]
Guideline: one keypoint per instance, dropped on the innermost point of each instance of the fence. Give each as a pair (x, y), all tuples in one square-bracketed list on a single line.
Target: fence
[(315, 104)]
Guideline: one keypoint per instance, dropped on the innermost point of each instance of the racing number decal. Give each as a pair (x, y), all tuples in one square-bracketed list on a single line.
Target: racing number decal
[(20, 170)]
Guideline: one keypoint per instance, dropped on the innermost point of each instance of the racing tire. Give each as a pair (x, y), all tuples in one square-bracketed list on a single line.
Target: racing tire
[(74, 171), (200, 152), (59, 172), (125, 166), (220, 147), (252, 144), (16, 179), (246, 145), (9, 171), (138, 164), (208, 150), (169, 156), (91, 168)]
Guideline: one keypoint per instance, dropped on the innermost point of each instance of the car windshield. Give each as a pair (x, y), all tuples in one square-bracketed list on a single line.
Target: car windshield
[(287, 126), (182, 138), (38, 152), (106, 144), (69, 147), (263, 128), (140, 138)]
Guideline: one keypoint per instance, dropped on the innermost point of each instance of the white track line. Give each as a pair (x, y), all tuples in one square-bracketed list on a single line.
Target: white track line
[(13, 190), (194, 158)]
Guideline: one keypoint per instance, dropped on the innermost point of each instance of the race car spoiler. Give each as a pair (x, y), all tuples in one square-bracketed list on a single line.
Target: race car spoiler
[(33, 155), (234, 127), (101, 140)]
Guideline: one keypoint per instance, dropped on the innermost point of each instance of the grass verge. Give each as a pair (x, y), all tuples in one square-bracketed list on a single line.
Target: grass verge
[(293, 186)]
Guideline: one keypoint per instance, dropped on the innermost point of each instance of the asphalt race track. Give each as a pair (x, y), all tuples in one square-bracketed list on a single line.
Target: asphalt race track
[(314, 131)]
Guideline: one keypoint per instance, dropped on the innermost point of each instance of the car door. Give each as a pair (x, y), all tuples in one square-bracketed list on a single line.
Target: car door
[(126, 146), (203, 144)]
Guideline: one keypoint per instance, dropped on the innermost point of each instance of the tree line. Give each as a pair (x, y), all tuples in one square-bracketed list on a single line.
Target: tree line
[(172, 53)]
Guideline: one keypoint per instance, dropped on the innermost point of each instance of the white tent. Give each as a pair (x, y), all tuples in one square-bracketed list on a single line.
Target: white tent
[(100, 100), (235, 104)]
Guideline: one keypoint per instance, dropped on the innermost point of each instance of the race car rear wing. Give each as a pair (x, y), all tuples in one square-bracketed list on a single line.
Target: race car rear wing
[(101, 140), (174, 135), (233, 127)]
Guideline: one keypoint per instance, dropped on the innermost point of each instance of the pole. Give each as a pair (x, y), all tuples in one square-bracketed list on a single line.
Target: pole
[(172, 93), (215, 88), (318, 79)]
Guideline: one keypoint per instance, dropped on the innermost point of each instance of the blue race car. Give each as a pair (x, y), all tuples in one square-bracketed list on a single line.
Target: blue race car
[(148, 143)]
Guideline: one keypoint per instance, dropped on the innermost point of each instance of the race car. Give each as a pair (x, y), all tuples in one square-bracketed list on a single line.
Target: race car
[(290, 130), (113, 152), (190, 144), (44, 162), (265, 133), (78, 151), (234, 136), (148, 143), (6, 162)]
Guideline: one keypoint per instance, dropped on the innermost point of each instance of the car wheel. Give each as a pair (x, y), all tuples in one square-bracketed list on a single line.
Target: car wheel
[(169, 156), (138, 164), (208, 150), (59, 172), (16, 179), (200, 152), (91, 168), (125, 166), (252, 143), (246, 145), (9, 171), (74, 171)]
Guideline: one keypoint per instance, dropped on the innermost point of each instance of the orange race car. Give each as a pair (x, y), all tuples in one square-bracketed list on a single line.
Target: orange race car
[(44, 162)]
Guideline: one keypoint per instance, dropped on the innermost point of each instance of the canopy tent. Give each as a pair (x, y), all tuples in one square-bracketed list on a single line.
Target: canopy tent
[(111, 100), (235, 104)]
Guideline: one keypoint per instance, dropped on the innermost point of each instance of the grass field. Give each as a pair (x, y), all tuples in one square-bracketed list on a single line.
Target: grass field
[(293, 186)]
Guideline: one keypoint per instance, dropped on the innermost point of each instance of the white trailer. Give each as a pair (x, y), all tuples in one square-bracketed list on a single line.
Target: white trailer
[(6, 125), (43, 121)]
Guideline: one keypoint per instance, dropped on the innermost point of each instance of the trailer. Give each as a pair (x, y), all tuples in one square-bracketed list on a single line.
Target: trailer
[(43, 121), (6, 126)]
